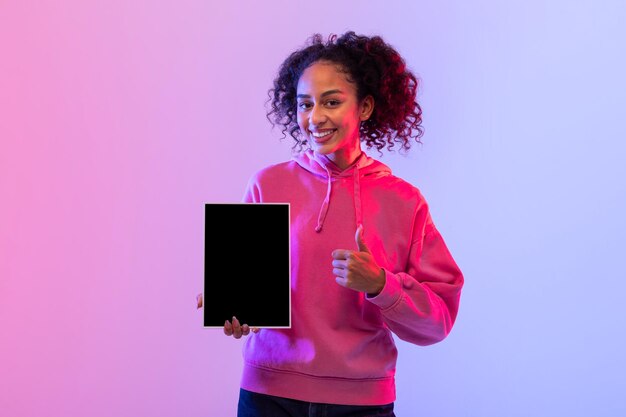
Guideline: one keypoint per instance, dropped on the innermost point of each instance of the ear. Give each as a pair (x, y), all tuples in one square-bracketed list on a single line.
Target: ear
[(366, 108)]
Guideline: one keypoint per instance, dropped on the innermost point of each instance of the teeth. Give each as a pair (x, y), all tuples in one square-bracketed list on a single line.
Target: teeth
[(322, 134)]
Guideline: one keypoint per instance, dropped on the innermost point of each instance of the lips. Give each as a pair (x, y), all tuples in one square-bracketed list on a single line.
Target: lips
[(322, 136)]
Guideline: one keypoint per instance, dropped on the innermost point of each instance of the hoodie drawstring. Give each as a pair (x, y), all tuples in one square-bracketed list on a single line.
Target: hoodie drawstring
[(358, 212), (324, 208)]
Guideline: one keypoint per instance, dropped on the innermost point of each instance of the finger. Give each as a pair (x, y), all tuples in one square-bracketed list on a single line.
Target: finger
[(358, 237), (341, 273), (228, 328), (341, 253), (199, 300), (340, 263), (236, 328), (255, 329), (341, 281)]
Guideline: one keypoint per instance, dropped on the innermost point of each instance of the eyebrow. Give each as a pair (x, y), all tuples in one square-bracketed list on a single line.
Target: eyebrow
[(324, 94)]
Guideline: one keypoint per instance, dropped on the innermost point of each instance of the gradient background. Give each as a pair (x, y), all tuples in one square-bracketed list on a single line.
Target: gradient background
[(120, 119)]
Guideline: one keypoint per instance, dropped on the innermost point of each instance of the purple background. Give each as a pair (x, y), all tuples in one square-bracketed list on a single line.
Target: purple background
[(120, 119)]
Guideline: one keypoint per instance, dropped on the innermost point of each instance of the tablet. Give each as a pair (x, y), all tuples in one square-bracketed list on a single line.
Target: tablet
[(247, 264)]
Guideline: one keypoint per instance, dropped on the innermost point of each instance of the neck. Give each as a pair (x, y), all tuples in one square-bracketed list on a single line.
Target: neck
[(344, 158)]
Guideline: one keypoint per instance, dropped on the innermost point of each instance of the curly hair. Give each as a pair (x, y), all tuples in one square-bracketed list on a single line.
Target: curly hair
[(375, 67)]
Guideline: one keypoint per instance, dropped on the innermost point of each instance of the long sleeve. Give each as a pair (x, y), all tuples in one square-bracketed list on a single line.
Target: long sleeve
[(421, 304)]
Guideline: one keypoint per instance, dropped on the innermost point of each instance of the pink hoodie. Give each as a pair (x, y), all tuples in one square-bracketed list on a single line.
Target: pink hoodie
[(340, 349)]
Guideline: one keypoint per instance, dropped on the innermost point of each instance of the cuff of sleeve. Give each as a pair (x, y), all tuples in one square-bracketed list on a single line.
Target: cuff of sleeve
[(391, 292)]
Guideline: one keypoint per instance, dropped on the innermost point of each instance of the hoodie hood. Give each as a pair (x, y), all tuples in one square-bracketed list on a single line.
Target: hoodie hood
[(323, 167)]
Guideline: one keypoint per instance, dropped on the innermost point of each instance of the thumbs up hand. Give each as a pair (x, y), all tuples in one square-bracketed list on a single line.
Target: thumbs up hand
[(358, 270)]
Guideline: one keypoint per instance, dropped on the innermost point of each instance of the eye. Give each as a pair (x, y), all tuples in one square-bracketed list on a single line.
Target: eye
[(304, 105), (333, 103)]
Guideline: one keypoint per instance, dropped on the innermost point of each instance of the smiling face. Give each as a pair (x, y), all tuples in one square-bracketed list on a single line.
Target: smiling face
[(329, 113)]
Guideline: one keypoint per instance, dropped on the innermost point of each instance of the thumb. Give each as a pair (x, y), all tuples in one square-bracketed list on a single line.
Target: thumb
[(359, 240)]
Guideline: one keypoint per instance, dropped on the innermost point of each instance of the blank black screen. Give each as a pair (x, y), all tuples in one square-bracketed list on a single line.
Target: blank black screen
[(247, 264)]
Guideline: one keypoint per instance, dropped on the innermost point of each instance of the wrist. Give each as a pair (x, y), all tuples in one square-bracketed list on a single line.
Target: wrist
[(382, 280)]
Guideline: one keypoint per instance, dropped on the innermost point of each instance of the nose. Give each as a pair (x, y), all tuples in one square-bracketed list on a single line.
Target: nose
[(317, 116)]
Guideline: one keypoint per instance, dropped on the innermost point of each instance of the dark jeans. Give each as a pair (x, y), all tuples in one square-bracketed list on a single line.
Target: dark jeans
[(252, 404)]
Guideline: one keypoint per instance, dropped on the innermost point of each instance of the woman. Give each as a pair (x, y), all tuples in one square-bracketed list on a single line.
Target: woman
[(367, 259)]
